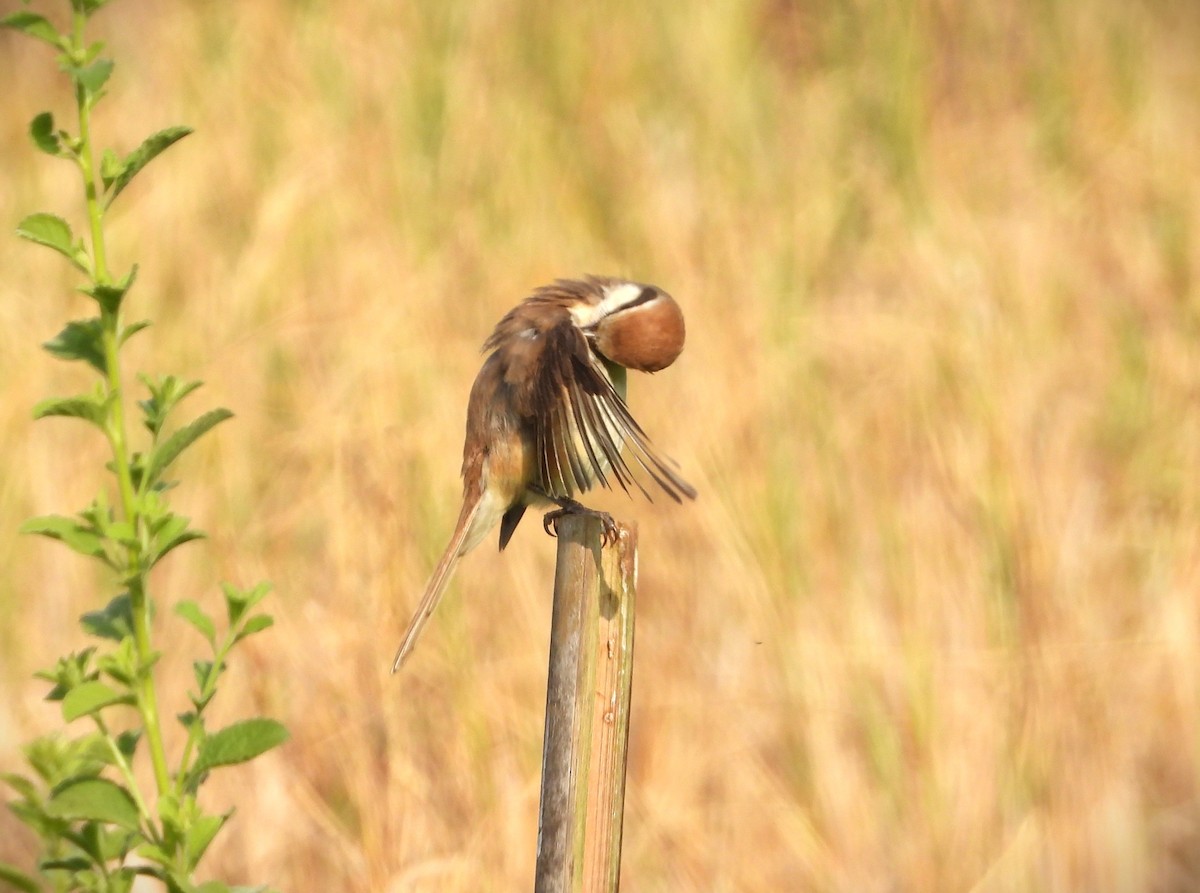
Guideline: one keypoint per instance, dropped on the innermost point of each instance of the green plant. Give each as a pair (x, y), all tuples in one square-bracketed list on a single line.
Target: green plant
[(99, 825)]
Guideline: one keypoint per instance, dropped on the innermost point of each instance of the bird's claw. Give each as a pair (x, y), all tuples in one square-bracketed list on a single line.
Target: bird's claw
[(610, 535)]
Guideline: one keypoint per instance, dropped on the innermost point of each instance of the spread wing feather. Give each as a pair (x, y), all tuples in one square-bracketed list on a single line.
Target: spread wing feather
[(582, 424)]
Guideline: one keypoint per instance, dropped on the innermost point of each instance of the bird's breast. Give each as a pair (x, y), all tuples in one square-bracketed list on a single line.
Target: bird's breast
[(511, 464)]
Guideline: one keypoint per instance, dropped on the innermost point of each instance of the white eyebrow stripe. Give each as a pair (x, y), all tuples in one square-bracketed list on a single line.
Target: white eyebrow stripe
[(614, 298)]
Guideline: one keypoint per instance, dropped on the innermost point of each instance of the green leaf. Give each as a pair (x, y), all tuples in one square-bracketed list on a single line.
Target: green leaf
[(188, 719), (36, 819), (114, 844), (155, 509), (54, 232), (115, 622), (214, 887), (167, 808), (94, 49), (92, 77), (127, 743), (41, 131), (35, 26), (194, 614), (175, 542), (89, 697), (168, 451), (165, 393), (90, 408), (238, 743), (87, 838), (61, 761), (20, 784), (132, 329), (110, 167), (18, 880), (109, 296), (122, 663), (202, 670), (123, 532), (67, 673), (94, 748), (75, 535), (238, 602), (80, 340), (88, 6), (74, 864), (137, 469), (201, 834), (255, 624), (47, 229), (141, 156), (164, 524), (146, 663), (154, 853), (95, 799)]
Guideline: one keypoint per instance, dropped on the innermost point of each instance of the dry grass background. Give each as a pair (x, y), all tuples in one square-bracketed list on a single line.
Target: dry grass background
[(933, 623)]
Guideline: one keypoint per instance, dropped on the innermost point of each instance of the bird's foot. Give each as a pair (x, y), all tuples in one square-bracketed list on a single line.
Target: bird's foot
[(571, 507)]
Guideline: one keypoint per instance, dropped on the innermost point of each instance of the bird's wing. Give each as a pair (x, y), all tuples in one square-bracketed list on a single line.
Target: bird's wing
[(582, 423)]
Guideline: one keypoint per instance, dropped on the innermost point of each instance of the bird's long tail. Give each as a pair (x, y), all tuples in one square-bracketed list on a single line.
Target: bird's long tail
[(457, 547)]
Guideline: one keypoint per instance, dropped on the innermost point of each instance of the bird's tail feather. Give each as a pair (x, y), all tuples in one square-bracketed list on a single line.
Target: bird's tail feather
[(437, 583)]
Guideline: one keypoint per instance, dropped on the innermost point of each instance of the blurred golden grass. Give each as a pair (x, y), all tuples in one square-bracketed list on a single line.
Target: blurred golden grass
[(933, 623)]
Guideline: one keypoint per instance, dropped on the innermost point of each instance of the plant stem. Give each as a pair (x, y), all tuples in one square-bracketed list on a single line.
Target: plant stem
[(146, 694), (196, 729), (126, 771)]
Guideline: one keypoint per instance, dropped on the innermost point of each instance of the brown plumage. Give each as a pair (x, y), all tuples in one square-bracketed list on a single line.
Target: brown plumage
[(547, 417)]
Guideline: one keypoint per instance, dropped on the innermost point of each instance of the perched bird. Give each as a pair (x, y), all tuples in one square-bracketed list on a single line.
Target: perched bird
[(547, 417)]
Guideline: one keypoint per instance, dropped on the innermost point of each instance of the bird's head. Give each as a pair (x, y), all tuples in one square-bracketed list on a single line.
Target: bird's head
[(634, 325)]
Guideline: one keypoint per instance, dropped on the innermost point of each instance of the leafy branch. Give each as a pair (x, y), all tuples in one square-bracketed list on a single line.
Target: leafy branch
[(82, 796)]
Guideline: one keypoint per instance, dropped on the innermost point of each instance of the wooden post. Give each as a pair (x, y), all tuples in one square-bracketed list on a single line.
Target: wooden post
[(587, 710)]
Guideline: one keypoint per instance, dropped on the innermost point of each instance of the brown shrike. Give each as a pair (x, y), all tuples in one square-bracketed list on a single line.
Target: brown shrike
[(547, 417)]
